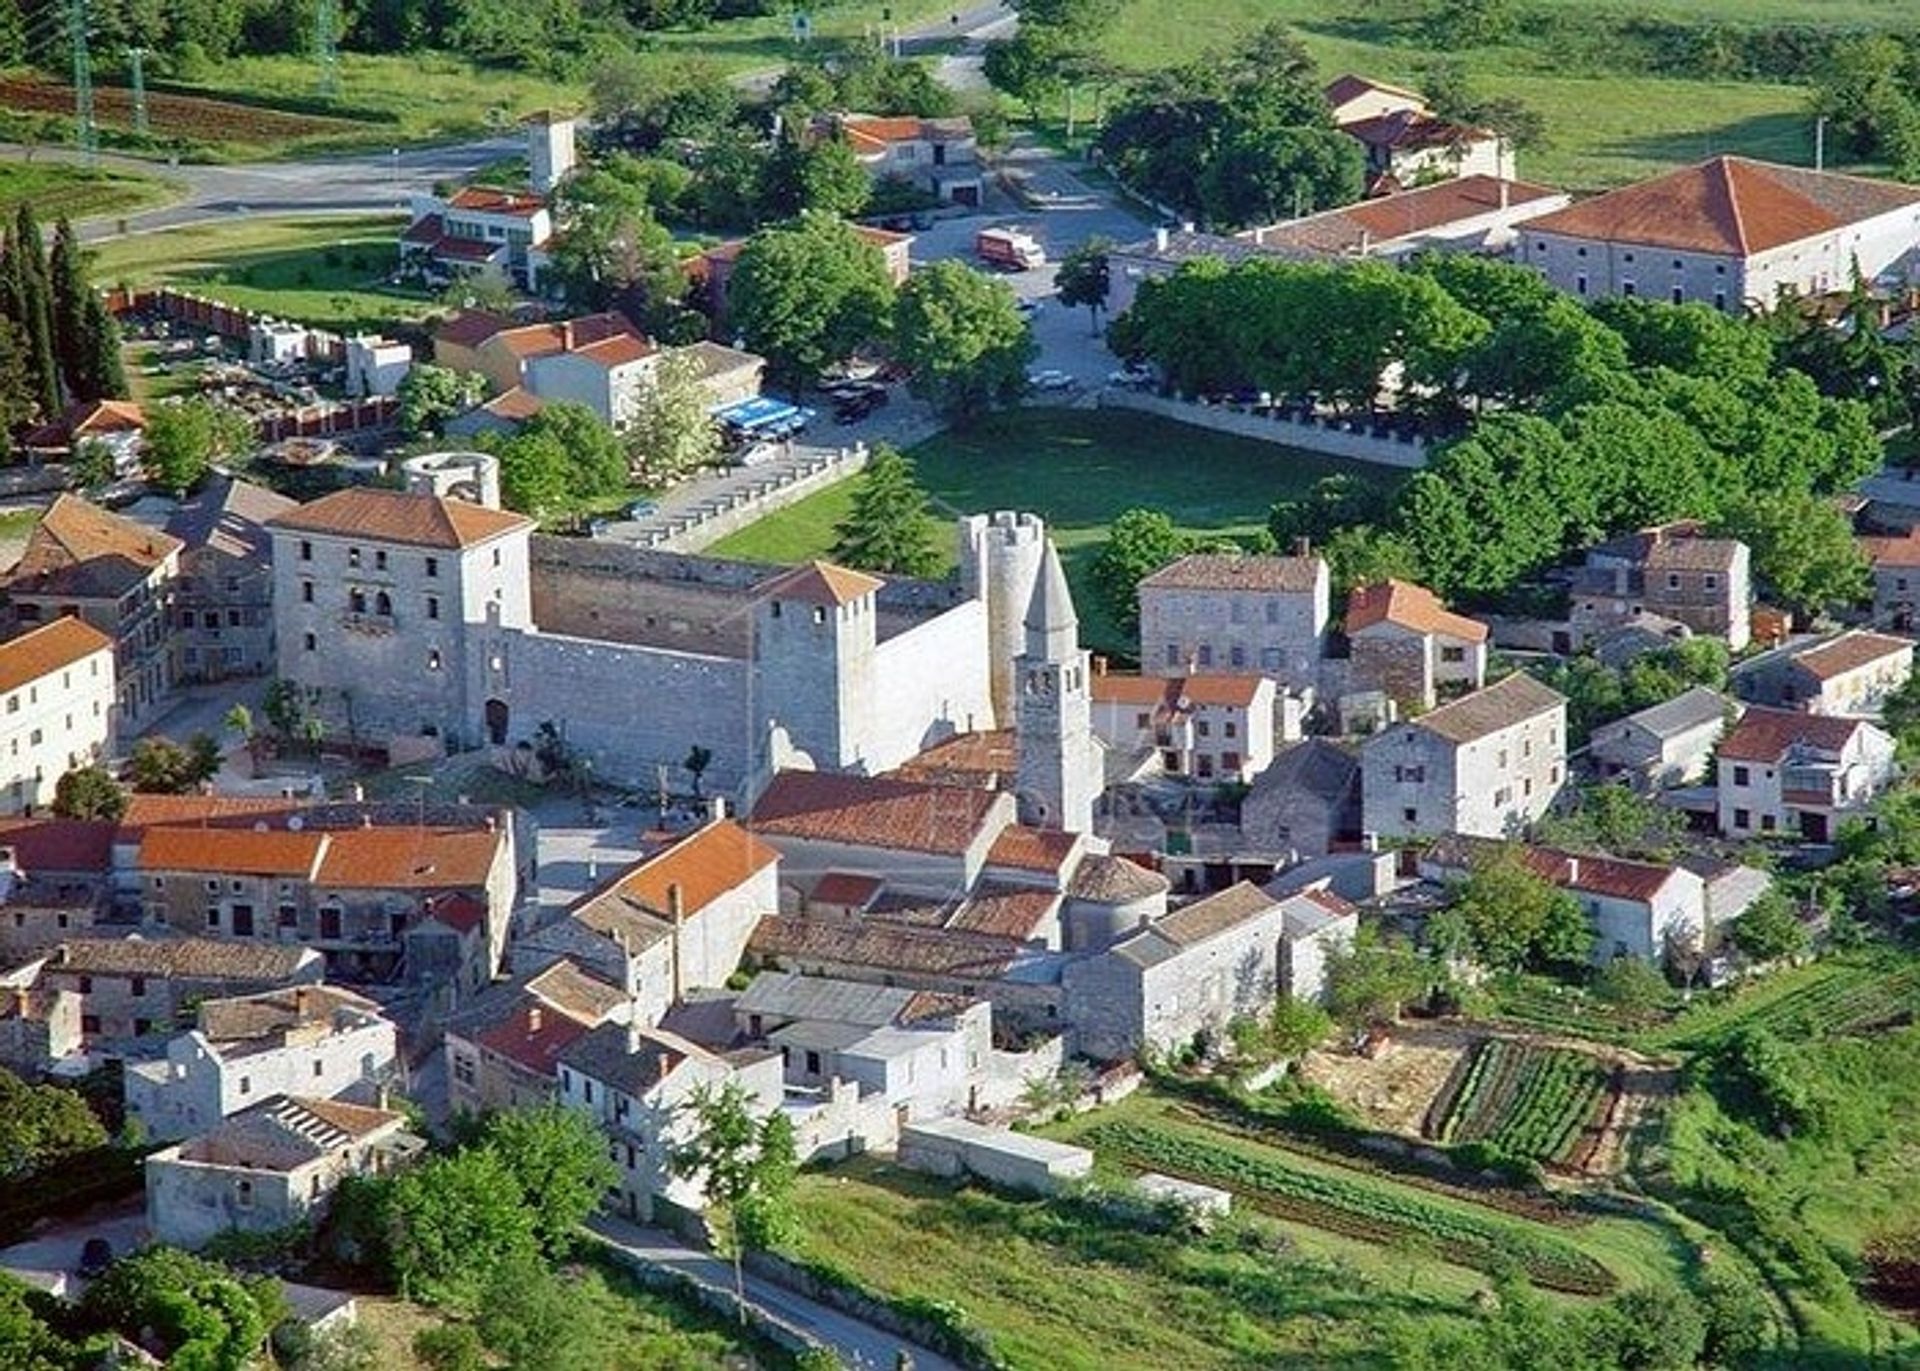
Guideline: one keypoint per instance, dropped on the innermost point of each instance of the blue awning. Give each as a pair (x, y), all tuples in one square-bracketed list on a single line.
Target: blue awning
[(763, 411)]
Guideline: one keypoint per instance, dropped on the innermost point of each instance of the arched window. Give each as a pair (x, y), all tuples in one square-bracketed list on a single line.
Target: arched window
[(383, 604)]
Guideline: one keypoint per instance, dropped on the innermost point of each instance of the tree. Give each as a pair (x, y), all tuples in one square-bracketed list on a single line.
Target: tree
[(1298, 1026), (698, 760), (1613, 818), (454, 1222), (184, 438), (559, 1160), (562, 457), (1630, 984), (890, 527), (207, 1318), (431, 395), (745, 1166), (1516, 916), (822, 175), (1770, 929), (1803, 548), (92, 464), (89, 792), (960, 336), (807, 294), (160, 766), (1139, 543), (40, 1124), (1375, 979), (32, 308), (533, 1318), (673, 433), (239, 721), (1083, 278), (615, 252)]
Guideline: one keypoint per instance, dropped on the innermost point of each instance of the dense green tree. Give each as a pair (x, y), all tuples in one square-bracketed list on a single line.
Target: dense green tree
[(1770, 929), (1083, 278), (1450, 95), (1803, 548), (1361, 554), (160, 766), (558, 1158), (615, 253), (823, 175), (1631, 984), (184, 438), (1375, 978), (562, 457), (890, 527), (961, 339), (1138, 543), (40, 1124), (1483, 513), (89, 792), (808, 294), (1614, 818), (431, 395), (1517, 917), (1868, 94), (455, 1222), (673, 433), (207, 1318), (745, 1166), (30, 306)]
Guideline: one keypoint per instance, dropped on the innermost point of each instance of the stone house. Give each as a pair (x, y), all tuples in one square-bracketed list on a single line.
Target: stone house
[(58, 687), (119, 577), (1792, 774), (1672, 572), (502, 1051), (54, 883), (1405, 142), (1318, 923), (357, 895), (1729, 232), (1403, 640), (1201, 728), (39, 1029), (223, 601), (1896, 579), (314, 1040), (1222, 612), (1484, 764), (611, 377), (269, 1167), (1667, 744), (636, 1084), (1306, 804), (133, 986), (1851, 673), (938, 156)]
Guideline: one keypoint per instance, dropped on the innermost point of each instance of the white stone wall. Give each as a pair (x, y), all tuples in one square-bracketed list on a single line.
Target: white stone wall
[(1277, 634), (1676, 914), (927, 683), (52, 724), (1415, 783)]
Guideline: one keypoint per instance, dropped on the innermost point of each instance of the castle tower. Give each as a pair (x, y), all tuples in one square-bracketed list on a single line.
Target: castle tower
[(1000, 558), (550, 154), (813, 649), (1059, 762)]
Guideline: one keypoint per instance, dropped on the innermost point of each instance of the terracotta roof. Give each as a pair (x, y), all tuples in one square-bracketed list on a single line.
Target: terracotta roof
[(1193, 924), (617, 351), (76, 845), (1234, 571), (531, 1033), (1409, 606), (1406, 128), (246, 1017), (1693, 553), (704, 866), (879, 237), (470, 328), (393, 516), (1238, 692), (44, 650), (1109, 688), (845, 888), (1503, 704), (1849, 652), (232, 851), (516, 404), (88, 419), (820, 583), (1005, 911), (1728, 205), (1102, 878), (1348, 86), (980, 759), (457, 910), (1362, 227), (1766, 735), (491, 200), (576, 991), (195, 958), (89, 550), (408, 857), (867, 811), (1032, 849), (1600, 875), (150, 811), (1901, 553), (883, 947), (286, 1132), (230, 516)]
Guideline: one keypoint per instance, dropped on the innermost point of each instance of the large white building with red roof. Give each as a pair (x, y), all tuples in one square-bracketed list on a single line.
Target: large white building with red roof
[(1730, 232), (1785, 773)]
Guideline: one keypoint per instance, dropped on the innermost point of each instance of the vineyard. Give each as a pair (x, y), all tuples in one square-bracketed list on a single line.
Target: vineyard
[(1525, 1100), (186, 117), (1826, 1000), (1353, 1207)]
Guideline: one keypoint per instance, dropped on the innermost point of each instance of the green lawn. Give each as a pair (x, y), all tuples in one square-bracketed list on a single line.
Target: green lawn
[(1078, 469), (56, 190), (324, 271)]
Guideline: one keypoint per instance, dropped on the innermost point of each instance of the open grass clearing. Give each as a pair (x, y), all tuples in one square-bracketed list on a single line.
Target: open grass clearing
[(59, 191), (328, 271), (1078, 469)]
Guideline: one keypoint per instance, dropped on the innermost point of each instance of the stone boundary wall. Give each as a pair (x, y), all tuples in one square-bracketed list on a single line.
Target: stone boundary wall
[(720, 1300), (707, 523), (1330, 438)]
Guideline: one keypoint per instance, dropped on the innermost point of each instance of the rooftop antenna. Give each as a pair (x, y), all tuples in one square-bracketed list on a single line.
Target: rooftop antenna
[(326, 39), (137, 56), (86, 134)]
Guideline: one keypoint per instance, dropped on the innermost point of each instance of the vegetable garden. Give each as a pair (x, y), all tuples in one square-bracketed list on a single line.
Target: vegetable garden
[(1833, 998), (1524, 1100), (1353, 1207)]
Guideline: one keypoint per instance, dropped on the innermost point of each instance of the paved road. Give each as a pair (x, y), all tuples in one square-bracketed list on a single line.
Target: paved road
[(857, 1344)]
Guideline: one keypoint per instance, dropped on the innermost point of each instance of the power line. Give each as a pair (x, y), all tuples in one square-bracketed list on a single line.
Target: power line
[(137, 57), (85, 133)]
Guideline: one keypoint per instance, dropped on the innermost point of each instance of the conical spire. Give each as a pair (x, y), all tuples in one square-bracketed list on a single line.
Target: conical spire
[(1053, 629)]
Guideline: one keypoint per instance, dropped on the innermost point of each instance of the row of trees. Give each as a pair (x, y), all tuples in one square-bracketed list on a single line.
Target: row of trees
[(58, 344)]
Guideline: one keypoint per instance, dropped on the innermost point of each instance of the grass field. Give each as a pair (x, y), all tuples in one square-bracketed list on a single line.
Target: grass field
[(1078, 469), (57, 191), (325, 271)]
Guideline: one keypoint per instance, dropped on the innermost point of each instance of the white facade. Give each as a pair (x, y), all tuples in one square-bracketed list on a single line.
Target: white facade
[(1804, 781), (614, 391), (376, 366), (57, 692), (1237, 614)]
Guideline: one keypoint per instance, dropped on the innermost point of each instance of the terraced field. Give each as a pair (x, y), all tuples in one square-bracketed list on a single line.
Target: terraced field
[(1526, 1100)]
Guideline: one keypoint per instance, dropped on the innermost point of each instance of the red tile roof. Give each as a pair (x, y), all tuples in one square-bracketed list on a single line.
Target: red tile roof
[(73, 531), (77, 845), (409, 858), (1766, 735), (1238, 692), (1348, 86), (532, 1035), (457, 910), (1032, 849), (1732, 206), (470, 328), (89, 419), (1114, 689), (149, 811), (232, 851), (1409, 606), (984, 758), (1900, 553), (393, 516), (47, 649), (703, 865), (867, 811), (845, 888), (618, 351), (1849, 652), (491, 200), (821, 583), (1406, 128), (1600, 875)]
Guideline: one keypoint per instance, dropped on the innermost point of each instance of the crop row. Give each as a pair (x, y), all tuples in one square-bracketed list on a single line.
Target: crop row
[(1356, 1209), (1527, 1101), (179, 116), (1844, 1001)]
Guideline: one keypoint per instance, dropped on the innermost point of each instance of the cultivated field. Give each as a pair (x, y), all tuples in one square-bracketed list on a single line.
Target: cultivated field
[(56, 190)]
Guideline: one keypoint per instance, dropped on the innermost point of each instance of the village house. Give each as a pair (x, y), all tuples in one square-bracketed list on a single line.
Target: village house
[(1896, 579), (54, 883), (312, 1040), (116, 574), (1406, 143), (1731, 232), (269, 1167), (507, 352), (39, 1028), (712, 269), (1787, 773), (1306, 804), (57, 684), (502, 1051), (1318, 924), (1403, 640), (491, 228), (937, 156), (1484, 764), (120, 425), (1223, 612), (1673, 572), (1201, 728), (223, 601), (1663, 745), (1851, 673), (133, 986)]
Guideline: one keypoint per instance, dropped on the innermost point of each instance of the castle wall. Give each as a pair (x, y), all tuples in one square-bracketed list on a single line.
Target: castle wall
[(928, 683)]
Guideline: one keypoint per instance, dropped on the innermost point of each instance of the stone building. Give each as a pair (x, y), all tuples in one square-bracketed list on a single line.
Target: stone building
[(115, 574), (268, 1168), (58, 687), (1214, 612), (1059, 772), (1674, 572), (1667, 744), (1484, 764), (1851, 673), (1404, 641), (1306, 803), (133, 986), (223, 601), (1204, 728), (502, 1051), (316, 1040), (1896, 579)]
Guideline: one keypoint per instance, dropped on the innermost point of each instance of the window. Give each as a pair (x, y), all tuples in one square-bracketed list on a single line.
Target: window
[(1236, 612), (1205, 655), (1230, 761), (1580, 284), (1273, 611), (1173, 654), (383, 604), (1741, 775), (1626, 289), (1410, 815), (1142, 720), (286, 916), (1454, 656), (463, 1069), (819, 614), (1626, 257), (1678, 296), (86, 985), (139, 985), (433, 660), (308, 642), (433, 566), (1673, 580), (433, 606), (1270, 658), (1230, 729), (357, 601), (380, 559), (1720, 301), (586, 1090), (1237, 655), (1767, 823), (246, 1085), (1203, 728), (496, 556), (353, 556), (1416, 774), (89, 1023), (1503, 796), (1503, 759), (813, 1063), (306, 550), (319, 1068), (243, 1193), (213, 918), (233, 618)]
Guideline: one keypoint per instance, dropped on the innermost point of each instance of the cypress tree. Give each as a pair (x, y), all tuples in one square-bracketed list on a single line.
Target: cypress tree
[(890, 527), (68, 315), (106, 369), (35, 318)]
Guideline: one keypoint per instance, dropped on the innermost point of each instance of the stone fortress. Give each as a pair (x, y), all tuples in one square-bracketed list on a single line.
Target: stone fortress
[(432, 612)]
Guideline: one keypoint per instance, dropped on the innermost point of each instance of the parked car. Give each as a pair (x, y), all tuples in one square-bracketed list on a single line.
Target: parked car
[(755, 454), (1133, 376), (1050, 380), (641, 509)]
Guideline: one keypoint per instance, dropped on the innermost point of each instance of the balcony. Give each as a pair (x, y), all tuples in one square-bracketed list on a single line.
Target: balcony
[(378, 625)]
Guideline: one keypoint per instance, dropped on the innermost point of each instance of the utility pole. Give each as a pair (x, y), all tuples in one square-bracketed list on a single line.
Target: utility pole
[(1820, 143), (85, 132), (326, 49), (137, 57)]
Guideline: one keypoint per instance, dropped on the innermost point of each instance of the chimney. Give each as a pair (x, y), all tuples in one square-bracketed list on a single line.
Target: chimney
[(717, 808), (1366, 242), (1506, 192), (676, 902), (633, 1035), (1160, 238), (356, 793), (1186, 226), (1573, 870), (533, 1018), (566, 336), (1303, 547), (1099, 665)]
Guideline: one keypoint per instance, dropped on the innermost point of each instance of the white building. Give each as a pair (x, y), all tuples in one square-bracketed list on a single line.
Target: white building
[(1730, 232), (1223, 612), (375, 365), (1667, 744), (1406, 143), (58, 687), (938, 156), (1404, 640), (1851, 673), (1205, 728), (1783, 772)]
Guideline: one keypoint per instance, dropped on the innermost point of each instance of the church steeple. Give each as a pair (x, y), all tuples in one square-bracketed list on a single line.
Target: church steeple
[(1053, 629), (1059, 772)]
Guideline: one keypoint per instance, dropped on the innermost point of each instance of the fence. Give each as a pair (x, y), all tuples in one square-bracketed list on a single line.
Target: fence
[(739, 502), (1353, 440)]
